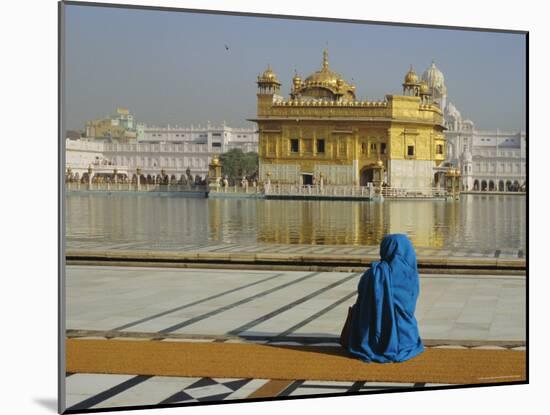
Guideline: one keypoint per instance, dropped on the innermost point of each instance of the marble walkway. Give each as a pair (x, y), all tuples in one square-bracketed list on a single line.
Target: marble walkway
[(275, 303), (98, 391), (78, 244), (280, 256), (288, 307)]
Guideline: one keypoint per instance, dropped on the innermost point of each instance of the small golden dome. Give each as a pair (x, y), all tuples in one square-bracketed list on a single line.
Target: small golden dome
[(411, 78), (424, 88), (269, 76)]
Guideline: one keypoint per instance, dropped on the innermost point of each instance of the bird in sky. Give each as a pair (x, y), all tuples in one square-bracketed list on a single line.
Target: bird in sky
[(226, 47)]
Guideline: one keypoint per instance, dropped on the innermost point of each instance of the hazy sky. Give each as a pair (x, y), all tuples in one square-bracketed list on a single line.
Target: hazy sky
[(173, 68)]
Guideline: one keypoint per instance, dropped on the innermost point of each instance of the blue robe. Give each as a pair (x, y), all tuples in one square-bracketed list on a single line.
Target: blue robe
[(383, 327)]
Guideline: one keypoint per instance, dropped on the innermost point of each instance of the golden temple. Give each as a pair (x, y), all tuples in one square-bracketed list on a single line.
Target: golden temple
[(323, 132)]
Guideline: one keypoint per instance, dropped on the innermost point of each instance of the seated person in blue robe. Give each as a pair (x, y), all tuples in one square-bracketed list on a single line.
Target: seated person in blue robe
[(381, 326)]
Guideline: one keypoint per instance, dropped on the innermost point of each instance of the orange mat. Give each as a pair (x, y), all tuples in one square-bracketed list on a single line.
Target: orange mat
[(235, 360)]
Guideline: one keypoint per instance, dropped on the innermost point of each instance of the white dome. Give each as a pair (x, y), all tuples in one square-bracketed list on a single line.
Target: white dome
[(452, 111), (467, 156), (434, 78)]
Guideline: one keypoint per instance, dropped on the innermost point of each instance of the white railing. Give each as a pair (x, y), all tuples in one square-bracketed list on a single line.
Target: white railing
[(250, 189), (335, 191), (271, 189), (354, 191), (133, 187), (419, 192)]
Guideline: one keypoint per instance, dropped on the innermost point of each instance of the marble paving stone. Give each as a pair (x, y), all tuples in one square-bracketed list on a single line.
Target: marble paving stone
[(158, 389), (81, 386), (327, 382), (245, 313), (388, 384), (327, 344), (284, 343), (224, 380), (204, 391), (210, 305), (489, 347), (301, 312), (150, 392), (441, 313), (247, 389), (442, 333), (316, 391), (329, 324), (449, 347), (313, 335), (107, 297), (506, 333)]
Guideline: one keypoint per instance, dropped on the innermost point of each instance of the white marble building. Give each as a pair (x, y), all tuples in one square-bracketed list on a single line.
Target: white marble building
[(489, 160), (172, 149), (218, 139)]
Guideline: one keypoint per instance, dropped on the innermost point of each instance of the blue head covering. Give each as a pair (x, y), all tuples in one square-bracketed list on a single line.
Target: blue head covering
[(383, 327)]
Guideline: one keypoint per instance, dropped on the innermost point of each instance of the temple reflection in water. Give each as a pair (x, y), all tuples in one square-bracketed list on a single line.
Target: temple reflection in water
[(351, 223), (477, 222)]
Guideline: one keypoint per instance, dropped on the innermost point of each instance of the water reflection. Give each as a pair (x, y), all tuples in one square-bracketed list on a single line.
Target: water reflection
[(475, 222), (319, 222)]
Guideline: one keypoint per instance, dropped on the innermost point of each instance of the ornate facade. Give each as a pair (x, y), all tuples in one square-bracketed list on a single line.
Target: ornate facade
[(489, 160), (322, 132), (120, 127)]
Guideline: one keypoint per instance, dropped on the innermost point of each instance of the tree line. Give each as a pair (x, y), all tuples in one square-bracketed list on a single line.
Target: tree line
[(236, 164)]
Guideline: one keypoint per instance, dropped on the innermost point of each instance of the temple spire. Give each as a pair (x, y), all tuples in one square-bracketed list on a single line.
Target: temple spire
[(325, 59)]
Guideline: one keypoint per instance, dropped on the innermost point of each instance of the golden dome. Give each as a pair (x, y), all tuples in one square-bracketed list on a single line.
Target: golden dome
[(268, 76), (325, 75), (411, 78), (325, 78), (424, 88)]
